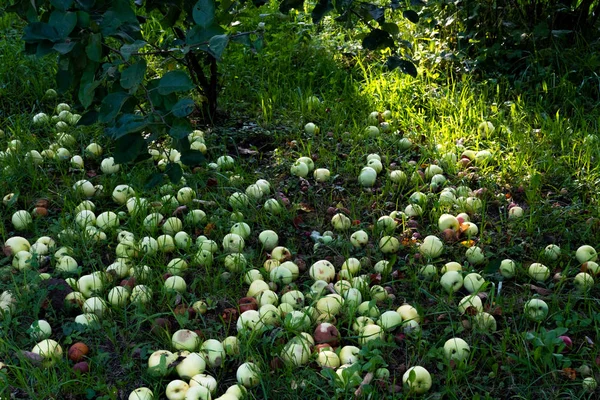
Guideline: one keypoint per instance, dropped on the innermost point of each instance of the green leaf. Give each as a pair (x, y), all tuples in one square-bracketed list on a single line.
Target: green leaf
[(86, 93), (287, 5), (321, 8), (127, 124), (183, 107), (128, 49), (62, 5), (94, 47), (391, 28), (180, 128), (192, 157), (63, 22), (204, 13), (36, 31), (198, 35), (83, 19), (411, 15), (217, 45), (133, 75), (405, 66), (89, 118), (377, 39), (174, 81), (174, 172), (64, 48), (128, 147), (154, 180), (111, 105)]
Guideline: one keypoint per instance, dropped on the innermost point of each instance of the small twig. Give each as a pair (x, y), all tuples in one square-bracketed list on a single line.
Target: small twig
[(366, 380)]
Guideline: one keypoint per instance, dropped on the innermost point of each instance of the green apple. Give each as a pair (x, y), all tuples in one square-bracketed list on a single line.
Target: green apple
[(586, 253), (475, 255), (457, 349), (536, 309), (321, 175), (583, 281), (538, 271), (485, 322), (432, 247), (248, 374), (367, 177), (451, 281), (311, 128), (141, 393), (473, 282), (21, 220), (389, 244), (552, 252), (49, 350), (309, 163), (389, 320), (341, 222), (322, 270), (470, 301), (417, 380), (372, 332), (515, 212), (508, 268), (359, 239), (451, 266), (448, 221), (233, 243), (398, 177), (299, 169)]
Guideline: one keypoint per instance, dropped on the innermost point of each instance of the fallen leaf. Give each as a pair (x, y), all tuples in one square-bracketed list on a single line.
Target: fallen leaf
[(209, 228), (305, 207), (569, 373), (538, 290), (247, 152)]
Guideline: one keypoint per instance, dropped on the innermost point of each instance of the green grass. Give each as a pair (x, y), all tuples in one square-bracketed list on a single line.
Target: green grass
[(544, 159)]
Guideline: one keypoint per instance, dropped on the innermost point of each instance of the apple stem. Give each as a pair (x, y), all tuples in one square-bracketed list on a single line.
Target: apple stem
[(366, 380)]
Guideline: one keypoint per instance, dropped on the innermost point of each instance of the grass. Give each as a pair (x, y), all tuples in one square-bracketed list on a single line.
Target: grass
[(544, 160)]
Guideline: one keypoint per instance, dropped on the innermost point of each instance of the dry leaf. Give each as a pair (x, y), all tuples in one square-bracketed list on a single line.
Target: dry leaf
[(538, 290)]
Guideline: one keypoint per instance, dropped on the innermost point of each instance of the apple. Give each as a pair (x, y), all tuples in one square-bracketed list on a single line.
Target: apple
[(89, 284), (389, 244), (330, 305), (254, 191), (538, 271), (311, 128), (451, 266), (475, 255), (295, 353), (23, 260), (299, 169), (389, 320), (408, 313), (141, 294), (233, 243), (417, 380), (431, 247), (238, 200), (21, 220), (473, 282), (185, 339), (273, 206), (176, 390), (309, 163), (589, 384), (175, 283), (321, 175), (204, 380), (249, 321), (40, 330), (372, 131), (586, 253), (198, 393), (470, 301), (141, 393), (107, 220), (322, 270), (121, 193), (515, 212), (447, 221), (367, 177), (398, 177), (17, 244), (552, 252), (485, 322), (508, 268), (536, 309), (118, 296), (583, 281), (49, 350), (328, 359), (95, 305), (457, 349), (214, 352), (231, 344), (413, 210), (195, 217)]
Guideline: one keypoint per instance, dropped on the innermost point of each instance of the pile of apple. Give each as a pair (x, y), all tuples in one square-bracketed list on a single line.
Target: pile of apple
[(272, 299)]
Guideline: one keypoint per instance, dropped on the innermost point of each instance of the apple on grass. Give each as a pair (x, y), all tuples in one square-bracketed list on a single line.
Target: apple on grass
[(141, 393), (586, 253), (508, 268), (451, 281), (457, 349), (417, 380), (176, 390), (536, 309)]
